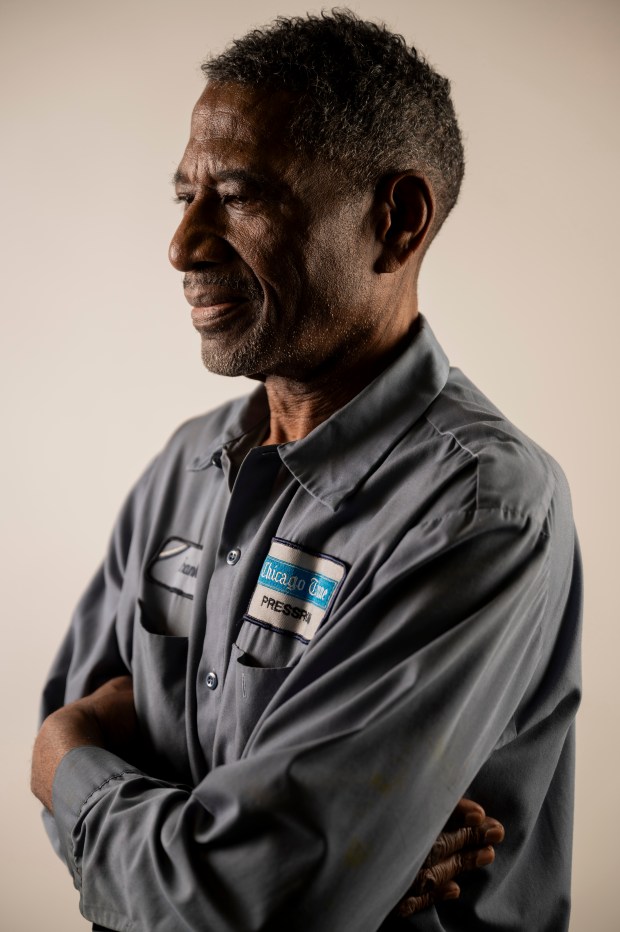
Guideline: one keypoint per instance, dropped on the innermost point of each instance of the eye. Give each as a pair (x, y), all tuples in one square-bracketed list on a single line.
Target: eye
[(237, 200), (184, 199)]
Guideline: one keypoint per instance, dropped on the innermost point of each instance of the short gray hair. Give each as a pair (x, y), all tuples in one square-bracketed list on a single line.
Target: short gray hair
[(368, 101)]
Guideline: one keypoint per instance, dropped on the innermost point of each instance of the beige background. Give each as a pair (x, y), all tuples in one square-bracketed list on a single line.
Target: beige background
[(101, 362)]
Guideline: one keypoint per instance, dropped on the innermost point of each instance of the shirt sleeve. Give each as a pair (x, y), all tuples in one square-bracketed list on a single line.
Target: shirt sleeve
[(353, 768), (90, 653)]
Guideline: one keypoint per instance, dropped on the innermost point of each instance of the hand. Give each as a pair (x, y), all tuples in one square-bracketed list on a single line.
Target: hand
[(107, 719), (465, 844)]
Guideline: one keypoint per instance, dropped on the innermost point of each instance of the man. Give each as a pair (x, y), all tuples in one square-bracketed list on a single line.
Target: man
[(345, 600)]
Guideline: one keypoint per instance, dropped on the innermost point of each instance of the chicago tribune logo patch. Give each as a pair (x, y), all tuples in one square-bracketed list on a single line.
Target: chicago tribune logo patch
[(295, 590)]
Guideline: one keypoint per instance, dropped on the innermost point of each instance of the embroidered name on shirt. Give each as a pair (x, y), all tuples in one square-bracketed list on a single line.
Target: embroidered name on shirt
[(176, 565), (295, 590)]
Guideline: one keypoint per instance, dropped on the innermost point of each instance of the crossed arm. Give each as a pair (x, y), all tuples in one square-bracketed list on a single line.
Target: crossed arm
[(327, 794), (107, 719)]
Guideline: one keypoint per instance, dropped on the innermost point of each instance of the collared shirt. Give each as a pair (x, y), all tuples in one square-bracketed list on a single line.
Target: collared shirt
[(331, 641)]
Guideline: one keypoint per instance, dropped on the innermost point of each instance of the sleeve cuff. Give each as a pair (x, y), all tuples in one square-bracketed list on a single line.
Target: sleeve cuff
[(81, 774)]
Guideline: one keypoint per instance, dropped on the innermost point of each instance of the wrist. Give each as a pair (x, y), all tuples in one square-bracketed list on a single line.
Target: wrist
[(62, 731)]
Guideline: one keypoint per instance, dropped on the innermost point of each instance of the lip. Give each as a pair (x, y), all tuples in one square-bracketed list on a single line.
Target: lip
[(207, 316)]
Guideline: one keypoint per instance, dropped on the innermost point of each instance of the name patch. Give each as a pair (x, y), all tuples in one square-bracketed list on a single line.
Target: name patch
[(175, 567), (295, 589)]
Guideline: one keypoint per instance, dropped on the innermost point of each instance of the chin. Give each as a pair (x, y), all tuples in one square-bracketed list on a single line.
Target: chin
[(259, 352), (223, 361)]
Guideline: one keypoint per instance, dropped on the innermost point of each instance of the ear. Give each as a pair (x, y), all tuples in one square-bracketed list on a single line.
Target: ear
[(405, 210)]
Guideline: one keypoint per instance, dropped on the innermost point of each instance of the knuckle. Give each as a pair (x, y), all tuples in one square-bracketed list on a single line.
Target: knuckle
[(458, 839), (436, 853), (471, 836), (437, 876), (465, 860), (450, 868), (468, 860), (410, 905), (428, 880)]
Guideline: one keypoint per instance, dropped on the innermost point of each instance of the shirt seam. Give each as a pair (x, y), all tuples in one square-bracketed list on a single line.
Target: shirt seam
[(449, 433), (500, 510), (461, 446), (115, 776), (505, 511), (463, 513)]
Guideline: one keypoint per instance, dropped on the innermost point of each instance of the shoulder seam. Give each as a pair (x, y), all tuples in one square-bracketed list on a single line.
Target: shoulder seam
[(448, 433), (474, 456), (503, 511)]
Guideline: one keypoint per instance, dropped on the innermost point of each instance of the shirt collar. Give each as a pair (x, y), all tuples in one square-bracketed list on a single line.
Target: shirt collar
[(338, 455), (243, 416)]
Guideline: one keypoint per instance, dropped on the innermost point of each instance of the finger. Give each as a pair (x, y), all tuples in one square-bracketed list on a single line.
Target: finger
[(450, 891), (493, 831), (437, 876), (489, 832), (470, 814), (415, 904), (119, 684), (467, 812)]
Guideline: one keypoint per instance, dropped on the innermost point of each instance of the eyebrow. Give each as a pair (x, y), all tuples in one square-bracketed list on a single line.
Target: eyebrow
[(234, 174), (179, 177)]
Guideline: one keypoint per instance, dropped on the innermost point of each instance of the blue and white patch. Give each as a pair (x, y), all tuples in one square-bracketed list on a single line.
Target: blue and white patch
[(175, 566), (295, 590)]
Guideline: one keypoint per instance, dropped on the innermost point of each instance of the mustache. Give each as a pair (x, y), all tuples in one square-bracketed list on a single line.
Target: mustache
[(196, 281)]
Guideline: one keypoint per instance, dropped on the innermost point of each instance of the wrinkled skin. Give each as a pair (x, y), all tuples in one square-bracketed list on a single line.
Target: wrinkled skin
[(291, 279), (467, 842)]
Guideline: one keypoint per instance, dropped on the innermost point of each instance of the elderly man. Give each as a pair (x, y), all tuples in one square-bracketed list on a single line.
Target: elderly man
[(345, 600)]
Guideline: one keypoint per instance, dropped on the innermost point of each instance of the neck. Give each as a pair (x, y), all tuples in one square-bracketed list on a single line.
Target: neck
[(297, 407)]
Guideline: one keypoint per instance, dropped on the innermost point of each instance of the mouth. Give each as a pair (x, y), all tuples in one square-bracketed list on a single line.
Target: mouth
[(216, 315), (217, 301)]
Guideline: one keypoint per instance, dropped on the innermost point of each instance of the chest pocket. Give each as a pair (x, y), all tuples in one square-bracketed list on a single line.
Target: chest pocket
[(255, 687), (159, 667), (253, 678), (170, 586)]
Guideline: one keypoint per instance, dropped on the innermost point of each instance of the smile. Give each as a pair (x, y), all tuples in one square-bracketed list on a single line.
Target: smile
[(215, 316)]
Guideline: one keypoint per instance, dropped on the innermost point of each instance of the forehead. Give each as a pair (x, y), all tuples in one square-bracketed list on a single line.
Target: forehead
[(233, 122)]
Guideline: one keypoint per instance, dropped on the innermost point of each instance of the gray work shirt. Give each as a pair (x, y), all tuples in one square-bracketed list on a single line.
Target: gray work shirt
[(331, 641)]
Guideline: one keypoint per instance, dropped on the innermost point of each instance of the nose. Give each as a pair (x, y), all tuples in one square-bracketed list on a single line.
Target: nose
[(197, 242)]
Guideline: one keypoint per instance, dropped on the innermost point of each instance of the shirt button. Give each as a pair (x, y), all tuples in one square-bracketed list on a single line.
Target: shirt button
[(232, 556), (212, 680)]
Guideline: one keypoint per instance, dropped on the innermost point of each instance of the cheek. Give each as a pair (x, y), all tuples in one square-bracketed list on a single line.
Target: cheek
[(248, 235), (332, 265), (274, 256)]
